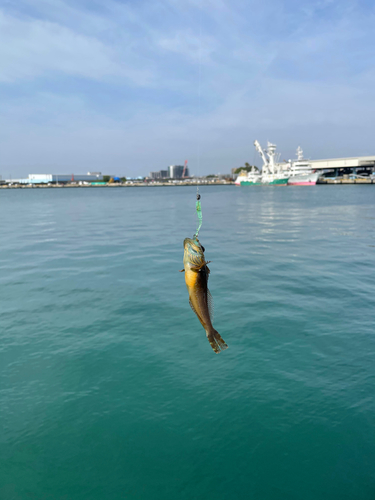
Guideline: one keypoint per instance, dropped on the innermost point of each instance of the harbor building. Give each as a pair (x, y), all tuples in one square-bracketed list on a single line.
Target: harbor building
[(357, 162), (358, 167), (58, 178)]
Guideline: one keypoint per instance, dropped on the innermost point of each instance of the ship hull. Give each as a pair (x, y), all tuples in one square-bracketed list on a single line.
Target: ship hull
[(307, 183), (281, 182), (274, 182), (304, 179), (247, 180)]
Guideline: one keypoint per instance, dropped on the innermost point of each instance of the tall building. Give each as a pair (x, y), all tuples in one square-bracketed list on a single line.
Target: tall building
[(176, 171), (161, 174)]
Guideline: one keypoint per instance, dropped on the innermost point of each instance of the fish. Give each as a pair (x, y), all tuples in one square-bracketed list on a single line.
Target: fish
[(200, 298)]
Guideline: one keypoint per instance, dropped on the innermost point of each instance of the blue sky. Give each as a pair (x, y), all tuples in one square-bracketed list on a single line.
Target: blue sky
[(129, 87)]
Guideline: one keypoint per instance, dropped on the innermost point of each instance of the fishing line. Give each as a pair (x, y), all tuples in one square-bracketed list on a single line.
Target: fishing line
[(199, 86), (198, 207)]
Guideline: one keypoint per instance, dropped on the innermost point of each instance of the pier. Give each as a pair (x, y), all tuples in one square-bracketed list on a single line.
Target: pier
[(356, 170), (358, 162), (343, 180)]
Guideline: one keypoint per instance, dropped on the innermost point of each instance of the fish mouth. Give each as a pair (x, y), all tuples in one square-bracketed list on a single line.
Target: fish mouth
[(188, 241), (192, 245)]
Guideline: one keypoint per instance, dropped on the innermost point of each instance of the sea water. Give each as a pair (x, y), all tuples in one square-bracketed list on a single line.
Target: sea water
[(109, 387)]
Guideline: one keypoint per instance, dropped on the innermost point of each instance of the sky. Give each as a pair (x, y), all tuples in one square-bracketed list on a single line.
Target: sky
[(129, 87)]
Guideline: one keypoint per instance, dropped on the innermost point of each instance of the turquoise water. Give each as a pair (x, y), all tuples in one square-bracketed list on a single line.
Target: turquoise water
[(109, 388)]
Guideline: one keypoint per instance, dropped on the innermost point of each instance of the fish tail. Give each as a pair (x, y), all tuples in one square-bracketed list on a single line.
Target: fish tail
[(216, 341)]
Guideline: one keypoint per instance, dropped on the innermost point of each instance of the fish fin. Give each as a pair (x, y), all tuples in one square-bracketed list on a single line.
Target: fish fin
[(210, 304), (197, 268), (216, 341), (191, 305), (181, 271)]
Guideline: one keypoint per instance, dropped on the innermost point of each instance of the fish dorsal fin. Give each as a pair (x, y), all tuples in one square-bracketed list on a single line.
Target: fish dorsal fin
[(210, 304)]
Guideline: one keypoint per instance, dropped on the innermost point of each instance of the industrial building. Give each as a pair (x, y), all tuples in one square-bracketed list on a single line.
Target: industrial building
[(58, 179), (357, 162)]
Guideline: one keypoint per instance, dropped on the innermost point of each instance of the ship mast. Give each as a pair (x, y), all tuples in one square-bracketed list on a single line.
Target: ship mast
[(271, 150)]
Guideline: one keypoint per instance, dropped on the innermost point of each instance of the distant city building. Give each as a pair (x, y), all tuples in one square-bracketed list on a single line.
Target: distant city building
[(155, 175), (161, 174), (62, 178), (176, 171)]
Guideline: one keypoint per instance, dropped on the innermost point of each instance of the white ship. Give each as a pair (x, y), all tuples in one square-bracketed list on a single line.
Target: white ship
[(301, 173)]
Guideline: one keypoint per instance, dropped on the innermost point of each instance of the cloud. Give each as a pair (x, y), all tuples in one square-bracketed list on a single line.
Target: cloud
[(33, 48), (118, 84), (189, 45)]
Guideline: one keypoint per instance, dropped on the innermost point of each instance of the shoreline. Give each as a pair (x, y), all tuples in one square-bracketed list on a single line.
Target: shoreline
[(327, 181), (136, 185)]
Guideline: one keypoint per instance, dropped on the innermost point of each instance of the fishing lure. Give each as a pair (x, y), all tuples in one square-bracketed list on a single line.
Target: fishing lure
[(199, 214)]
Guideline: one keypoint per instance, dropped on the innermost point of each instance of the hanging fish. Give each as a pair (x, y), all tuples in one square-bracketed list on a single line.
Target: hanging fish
[(200, 299)]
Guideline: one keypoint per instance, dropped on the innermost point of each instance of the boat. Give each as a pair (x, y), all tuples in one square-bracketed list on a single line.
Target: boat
[(297, 172), (301, 173), (273, 173)]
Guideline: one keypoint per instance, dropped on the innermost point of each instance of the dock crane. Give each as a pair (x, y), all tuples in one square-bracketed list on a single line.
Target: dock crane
[(184, 171)]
